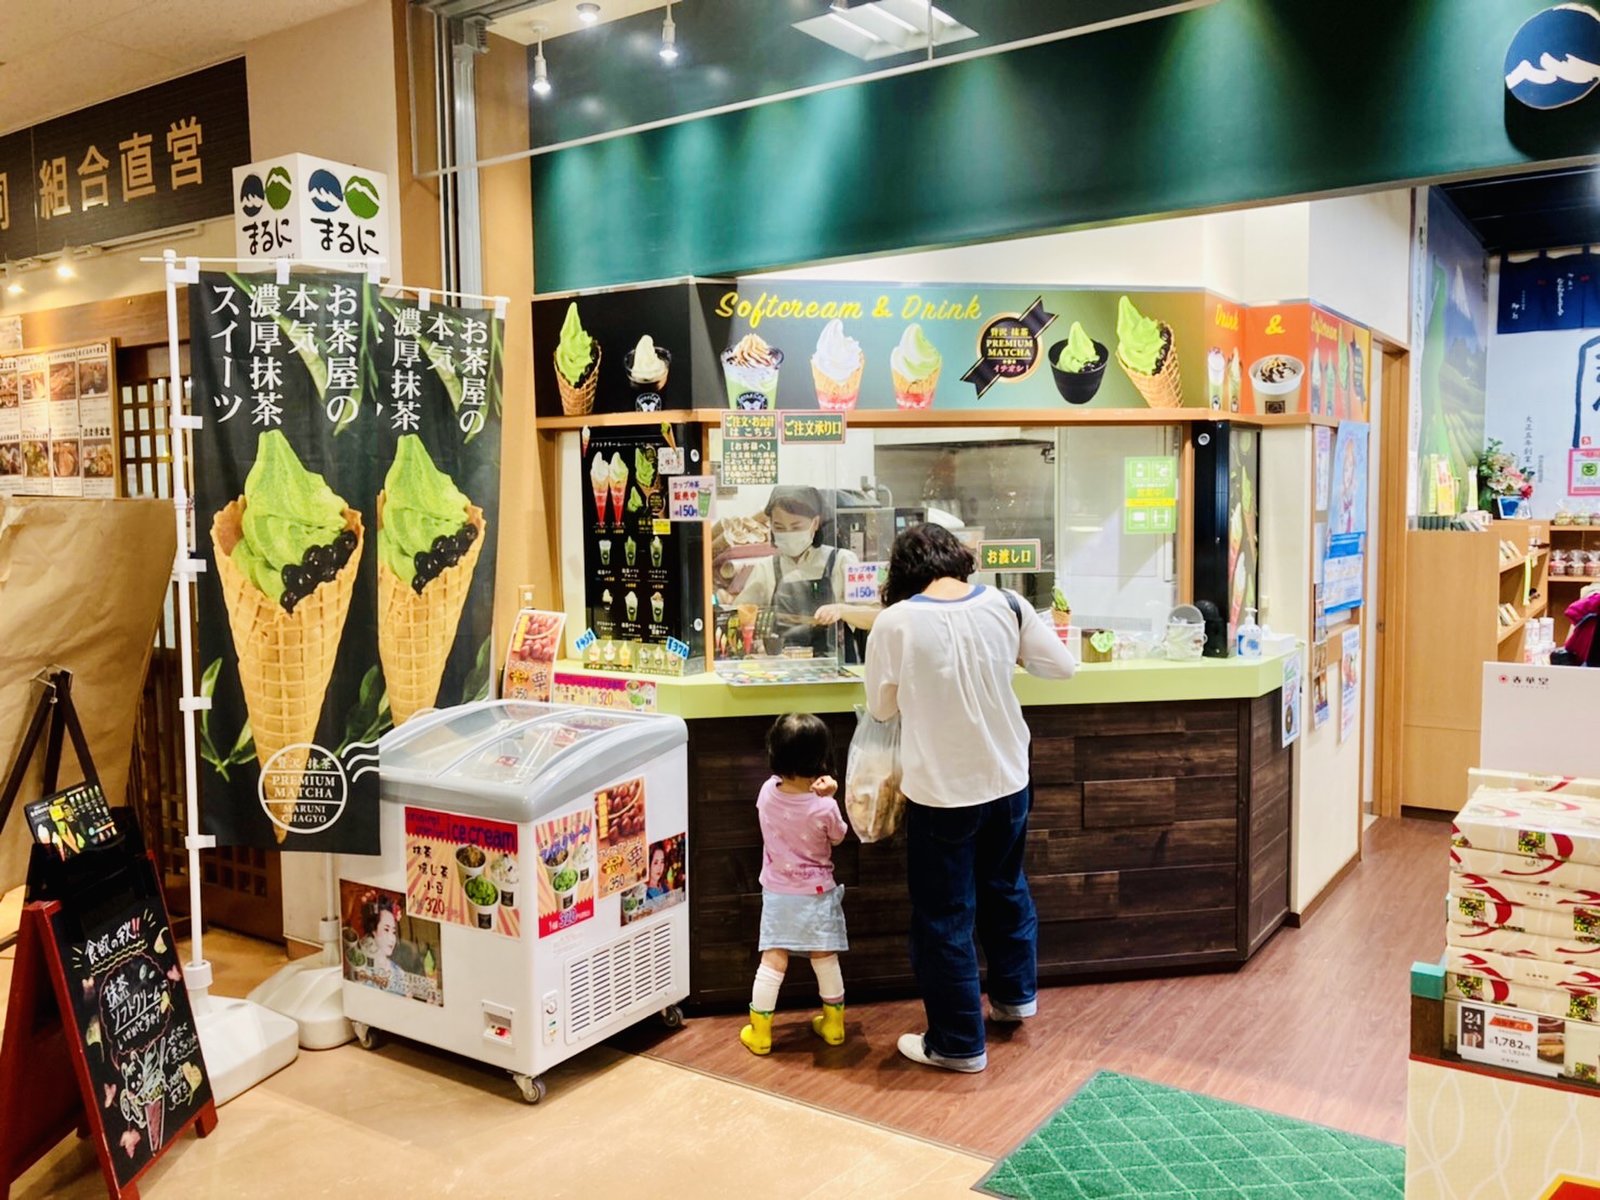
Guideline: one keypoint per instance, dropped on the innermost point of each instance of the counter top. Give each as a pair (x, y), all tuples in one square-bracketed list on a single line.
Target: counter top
[(1134, 681)]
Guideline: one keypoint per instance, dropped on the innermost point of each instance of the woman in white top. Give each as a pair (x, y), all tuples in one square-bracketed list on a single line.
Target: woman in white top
[(942, 655), (804, 581)]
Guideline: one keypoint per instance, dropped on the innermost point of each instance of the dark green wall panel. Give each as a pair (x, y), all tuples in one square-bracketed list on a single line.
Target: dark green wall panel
[(1244, 101)]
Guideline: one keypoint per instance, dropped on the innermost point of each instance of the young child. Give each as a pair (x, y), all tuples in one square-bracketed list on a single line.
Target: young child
[(802, 908)]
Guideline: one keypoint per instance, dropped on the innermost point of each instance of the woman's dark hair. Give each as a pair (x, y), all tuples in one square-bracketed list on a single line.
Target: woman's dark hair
[(803, 501), (922, 554), (374, 908), (798, 746)]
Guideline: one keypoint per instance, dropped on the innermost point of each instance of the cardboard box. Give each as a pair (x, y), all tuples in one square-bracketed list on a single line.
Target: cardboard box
[(1551, 1002), (1522, 943), (1534, 972), (1575, 925), (1529, 892), (1532, 816), (1537, 869)]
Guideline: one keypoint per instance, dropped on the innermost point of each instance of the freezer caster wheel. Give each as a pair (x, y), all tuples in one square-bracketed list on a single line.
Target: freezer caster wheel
[(366, 1035), (531, 1086), (672, 1017)]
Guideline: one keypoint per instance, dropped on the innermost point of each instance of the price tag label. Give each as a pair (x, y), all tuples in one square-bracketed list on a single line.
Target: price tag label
[(1510, 1037), (690, 497), (675, 647), (863, 582), (585, 640)]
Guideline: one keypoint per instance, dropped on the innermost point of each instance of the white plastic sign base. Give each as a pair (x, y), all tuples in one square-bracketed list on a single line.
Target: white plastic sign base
[(311, 994), (242, 1042)]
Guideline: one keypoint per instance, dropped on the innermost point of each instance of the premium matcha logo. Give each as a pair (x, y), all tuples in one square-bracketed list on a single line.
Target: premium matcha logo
[(325, 191), (252, 196), (361, 196)]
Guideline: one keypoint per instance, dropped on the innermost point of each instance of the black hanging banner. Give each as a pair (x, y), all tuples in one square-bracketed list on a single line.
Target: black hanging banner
[(347, 485)]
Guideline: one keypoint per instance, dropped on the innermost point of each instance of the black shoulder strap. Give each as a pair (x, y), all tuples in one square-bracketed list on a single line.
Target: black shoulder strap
[(1594, 642), (1016, 605)]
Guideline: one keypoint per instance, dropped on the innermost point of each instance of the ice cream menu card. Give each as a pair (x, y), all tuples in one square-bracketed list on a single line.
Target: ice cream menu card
[(642, 585), (135, 1028)]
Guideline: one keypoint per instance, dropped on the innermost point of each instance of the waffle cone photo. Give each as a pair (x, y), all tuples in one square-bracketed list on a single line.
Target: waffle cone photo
[(836, 395), (577, 399), (915, 393), (285, 658), (416, 630), (1164, 389)]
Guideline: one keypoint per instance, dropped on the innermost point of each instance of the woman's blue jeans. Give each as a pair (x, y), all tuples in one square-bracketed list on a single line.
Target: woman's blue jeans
[(964, 868)]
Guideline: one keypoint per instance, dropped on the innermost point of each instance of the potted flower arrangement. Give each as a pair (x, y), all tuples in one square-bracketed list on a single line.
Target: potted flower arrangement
[(1499, 475)]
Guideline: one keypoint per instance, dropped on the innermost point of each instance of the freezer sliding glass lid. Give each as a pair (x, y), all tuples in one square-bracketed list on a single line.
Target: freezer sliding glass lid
[(502, 742)]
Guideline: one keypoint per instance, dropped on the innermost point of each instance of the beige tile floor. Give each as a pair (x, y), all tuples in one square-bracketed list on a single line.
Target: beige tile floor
[(403, 1121)]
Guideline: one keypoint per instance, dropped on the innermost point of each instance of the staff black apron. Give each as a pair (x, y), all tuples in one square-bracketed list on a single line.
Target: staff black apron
[(795, 600)]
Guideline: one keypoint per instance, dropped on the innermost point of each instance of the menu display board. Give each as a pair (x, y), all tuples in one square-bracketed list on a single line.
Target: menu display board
[(58, 422), (643, 586)]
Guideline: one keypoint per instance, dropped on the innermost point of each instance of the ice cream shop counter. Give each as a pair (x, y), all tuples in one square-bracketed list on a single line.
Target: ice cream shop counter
[(1159, 837)]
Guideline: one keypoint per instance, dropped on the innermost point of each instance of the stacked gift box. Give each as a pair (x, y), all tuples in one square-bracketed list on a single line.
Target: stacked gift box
[(1524, 910)]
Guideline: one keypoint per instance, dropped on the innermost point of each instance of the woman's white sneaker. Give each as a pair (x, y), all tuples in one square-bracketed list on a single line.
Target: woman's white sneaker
[(914, 1048)]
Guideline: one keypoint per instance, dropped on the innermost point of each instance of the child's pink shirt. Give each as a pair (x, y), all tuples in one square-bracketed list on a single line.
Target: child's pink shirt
[(799, 832)]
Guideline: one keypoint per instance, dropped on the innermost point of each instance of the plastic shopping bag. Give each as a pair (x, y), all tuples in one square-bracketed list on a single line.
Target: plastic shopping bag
[(872, 795)]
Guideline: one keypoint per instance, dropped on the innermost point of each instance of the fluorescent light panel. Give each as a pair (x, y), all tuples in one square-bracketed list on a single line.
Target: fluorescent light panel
[(885, 28)]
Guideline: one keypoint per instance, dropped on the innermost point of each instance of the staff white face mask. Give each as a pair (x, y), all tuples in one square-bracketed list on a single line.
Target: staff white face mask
[(792, 545)]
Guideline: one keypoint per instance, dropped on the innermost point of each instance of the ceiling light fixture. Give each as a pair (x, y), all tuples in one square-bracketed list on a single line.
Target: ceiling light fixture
[(13, 284), (541, 69), (669, 38), (64, 269), (588, 12)]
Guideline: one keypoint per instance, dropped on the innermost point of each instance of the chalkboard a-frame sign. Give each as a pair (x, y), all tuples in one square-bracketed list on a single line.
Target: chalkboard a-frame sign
[(99, 1037)]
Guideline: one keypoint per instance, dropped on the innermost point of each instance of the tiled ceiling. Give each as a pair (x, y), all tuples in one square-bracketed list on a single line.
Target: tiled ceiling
[(60, 55)]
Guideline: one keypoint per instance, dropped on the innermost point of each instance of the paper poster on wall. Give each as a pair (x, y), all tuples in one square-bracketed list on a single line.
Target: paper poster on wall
[(1350, 683), (1347, 508), (463, 871), (665, 883), (385, 948), (619, 836), (689, 497), (1291, 699), (1343, 573), (1324, 443), (531, 657), (567, 871), (1321, 710), (58, 423), (1150, 495), (1319, 551)]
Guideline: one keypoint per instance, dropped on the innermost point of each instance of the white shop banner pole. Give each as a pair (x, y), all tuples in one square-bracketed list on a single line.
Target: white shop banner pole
[(243, 1043)]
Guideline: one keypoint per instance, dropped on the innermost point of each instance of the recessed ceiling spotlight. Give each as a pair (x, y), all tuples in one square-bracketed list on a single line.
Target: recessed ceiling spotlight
[(588, 12), (64, 269), (541, 69), (669, 38)]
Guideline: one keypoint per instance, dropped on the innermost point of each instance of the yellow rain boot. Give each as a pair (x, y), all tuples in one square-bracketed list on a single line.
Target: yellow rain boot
[(757, 1036), (829, 1024)]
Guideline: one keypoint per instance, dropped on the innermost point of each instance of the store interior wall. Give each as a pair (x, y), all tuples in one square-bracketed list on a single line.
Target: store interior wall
[(1535, 406)]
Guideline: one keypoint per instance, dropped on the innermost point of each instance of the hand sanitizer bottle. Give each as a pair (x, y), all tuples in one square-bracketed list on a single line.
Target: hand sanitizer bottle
[(1249, 636)]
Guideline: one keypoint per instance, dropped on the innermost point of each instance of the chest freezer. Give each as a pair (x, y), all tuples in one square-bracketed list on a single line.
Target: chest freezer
[(531, 897)]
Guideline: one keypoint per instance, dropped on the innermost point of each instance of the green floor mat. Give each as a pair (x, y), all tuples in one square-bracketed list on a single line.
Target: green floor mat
[(1125, 1137)]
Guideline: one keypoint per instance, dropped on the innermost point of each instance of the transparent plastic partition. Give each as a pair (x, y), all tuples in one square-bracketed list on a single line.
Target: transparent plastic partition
[(523, 753), (435, 744)]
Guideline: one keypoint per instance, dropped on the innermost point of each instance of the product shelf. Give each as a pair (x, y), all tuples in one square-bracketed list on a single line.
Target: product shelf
[(1508, 632), (1575, 579)]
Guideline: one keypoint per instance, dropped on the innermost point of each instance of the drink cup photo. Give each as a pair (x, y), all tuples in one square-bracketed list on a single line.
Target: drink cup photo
[(470, 863), (605, 552), (505, 876), (483, 898)]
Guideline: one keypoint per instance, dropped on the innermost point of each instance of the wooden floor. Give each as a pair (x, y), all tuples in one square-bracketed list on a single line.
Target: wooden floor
[(1314, 1027)]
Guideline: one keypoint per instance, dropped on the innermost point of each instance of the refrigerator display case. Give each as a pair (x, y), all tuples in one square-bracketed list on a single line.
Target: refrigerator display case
[(531, 897)]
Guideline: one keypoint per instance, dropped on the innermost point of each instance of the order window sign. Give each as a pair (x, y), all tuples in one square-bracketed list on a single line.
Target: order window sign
[(1554, 59)]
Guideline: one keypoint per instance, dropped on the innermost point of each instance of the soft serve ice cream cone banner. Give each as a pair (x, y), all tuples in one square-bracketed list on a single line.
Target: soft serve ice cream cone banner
[(346, 479)]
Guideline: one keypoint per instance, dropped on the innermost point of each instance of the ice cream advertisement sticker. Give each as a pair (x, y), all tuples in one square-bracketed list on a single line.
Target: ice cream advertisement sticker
[(619, 836), (566, 879), (463, 871), (690, 498), (1008, 347)]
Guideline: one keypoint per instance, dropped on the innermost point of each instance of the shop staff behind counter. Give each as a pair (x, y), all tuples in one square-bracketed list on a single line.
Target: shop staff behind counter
[(804, 582)]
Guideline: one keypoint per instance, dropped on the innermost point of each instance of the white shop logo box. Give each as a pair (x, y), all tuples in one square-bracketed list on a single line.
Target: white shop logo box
[(300, 207)]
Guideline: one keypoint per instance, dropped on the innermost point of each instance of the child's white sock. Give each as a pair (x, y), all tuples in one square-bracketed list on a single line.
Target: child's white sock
[(764, 996), (830, 979)]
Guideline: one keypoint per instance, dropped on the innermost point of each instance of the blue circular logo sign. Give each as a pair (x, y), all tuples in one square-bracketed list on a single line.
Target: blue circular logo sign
[(1554, 59), (325, 191), (252, 195)]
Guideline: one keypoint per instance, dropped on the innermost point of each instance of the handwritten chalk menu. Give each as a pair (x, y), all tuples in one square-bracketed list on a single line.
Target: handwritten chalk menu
[(137, 1032)]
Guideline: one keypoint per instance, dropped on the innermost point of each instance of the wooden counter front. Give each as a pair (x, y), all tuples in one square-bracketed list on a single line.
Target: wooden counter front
[(1159, 839)]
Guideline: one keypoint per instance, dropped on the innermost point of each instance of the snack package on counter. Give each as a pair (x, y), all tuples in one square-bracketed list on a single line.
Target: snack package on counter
[(873, 799)]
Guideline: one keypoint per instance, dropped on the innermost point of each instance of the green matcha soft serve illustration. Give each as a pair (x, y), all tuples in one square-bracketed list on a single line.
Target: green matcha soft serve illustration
[(429, 538), (287, 552)]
